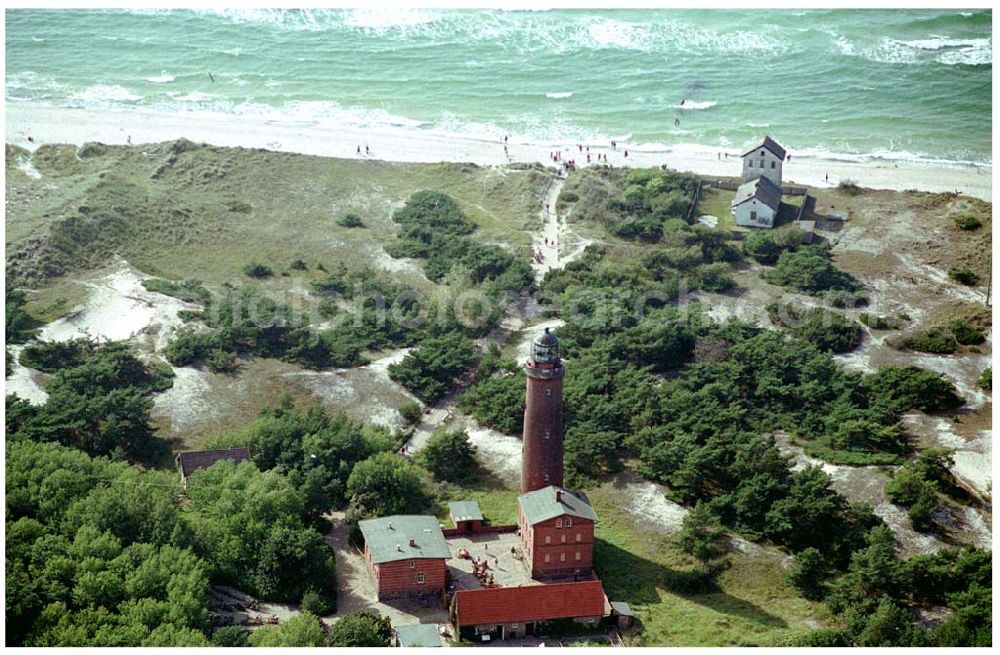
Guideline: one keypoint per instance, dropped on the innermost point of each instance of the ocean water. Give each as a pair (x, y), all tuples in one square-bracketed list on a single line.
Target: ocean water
[(857, 84)]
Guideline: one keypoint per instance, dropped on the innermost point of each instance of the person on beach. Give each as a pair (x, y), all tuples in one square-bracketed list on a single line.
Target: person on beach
[(359, 150), (626, 153), (580, 147), (677, 121), (129, 139), (588, 157), (827, 177), (614, 144), (367, 151)]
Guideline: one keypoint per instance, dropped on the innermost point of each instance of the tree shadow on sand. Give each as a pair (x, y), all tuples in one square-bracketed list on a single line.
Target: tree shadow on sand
[(630, 578)]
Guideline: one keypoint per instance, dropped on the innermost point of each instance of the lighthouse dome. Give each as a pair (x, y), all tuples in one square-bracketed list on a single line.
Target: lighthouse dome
[(545, 349)]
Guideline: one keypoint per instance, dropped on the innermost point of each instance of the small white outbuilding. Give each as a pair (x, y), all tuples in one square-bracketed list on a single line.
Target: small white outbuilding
[(756, 203)]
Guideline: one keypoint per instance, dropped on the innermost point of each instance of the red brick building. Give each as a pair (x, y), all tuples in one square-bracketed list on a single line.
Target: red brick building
[(557, 532), (406, 556), (514, 611)]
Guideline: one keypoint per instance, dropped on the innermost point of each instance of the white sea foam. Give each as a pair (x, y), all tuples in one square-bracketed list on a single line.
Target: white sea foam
[(104, 93), (619, 34), (694, 104), (557, 95), (195, 96), (161, 79)]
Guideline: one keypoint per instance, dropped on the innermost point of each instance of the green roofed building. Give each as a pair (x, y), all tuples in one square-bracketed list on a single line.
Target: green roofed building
[(420, 635), (466, 516), (406, 555), (557, 533)]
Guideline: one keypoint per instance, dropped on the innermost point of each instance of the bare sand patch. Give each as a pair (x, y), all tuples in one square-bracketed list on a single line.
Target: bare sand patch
[(119, 308), (187, 404), (24, 381), (647, 501), (498, 452)]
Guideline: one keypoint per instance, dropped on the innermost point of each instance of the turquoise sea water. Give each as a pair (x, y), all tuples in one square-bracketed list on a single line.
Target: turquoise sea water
[(895, 84)]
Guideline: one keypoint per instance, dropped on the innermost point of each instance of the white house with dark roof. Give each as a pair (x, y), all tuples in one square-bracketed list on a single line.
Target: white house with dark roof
[(764, 160), (756, 203)]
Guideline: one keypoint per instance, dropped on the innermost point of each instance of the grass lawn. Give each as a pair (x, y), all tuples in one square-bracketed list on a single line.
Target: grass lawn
[(718, 203), (752, 606)]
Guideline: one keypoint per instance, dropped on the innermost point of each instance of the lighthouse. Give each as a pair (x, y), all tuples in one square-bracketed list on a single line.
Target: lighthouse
[(542, 446)]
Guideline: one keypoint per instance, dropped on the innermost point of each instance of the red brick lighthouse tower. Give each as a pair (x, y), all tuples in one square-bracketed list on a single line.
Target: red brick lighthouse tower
[(542, 449)]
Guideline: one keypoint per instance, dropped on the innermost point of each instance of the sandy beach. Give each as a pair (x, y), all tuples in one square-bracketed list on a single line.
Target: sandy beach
[(78, 126)]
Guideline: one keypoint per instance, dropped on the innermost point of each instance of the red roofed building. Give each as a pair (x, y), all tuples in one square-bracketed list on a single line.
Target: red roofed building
[(514, 611)]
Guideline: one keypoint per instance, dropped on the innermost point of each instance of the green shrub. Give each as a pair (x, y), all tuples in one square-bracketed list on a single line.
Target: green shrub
[(986, 379), (767, 245), (965, 333), (221, 361), (568, 196), (299, 265), (350, 220), (877, 322), (829, 331), (938, 340), (239, 207), (809, 574), (450, 456), (256, 270), (429, 370), (318, 604), (963, 275), (411, 412), (850, 187), (898, 389), (968, 222), (809, 269), (189, 291), (846, 299)]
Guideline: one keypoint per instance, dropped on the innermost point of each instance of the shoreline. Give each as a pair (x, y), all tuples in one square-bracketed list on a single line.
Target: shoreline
[(76, 126)]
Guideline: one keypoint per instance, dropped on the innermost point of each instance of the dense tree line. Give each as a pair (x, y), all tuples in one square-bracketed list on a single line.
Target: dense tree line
[(103, 553), (98, 400), (315, 449)]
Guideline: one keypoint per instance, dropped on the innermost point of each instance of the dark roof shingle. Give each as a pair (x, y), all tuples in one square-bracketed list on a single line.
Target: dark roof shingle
[(760, 188), (193, 460), (771, 145)]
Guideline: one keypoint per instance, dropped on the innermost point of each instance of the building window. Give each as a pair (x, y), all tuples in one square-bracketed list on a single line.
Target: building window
[(579, 537), (413, 563), (577, 556), (569, 522), (547, 558), (420, 578), (753, 216), (562, 557), (564, 538), (548, 539), (558, 523), (772, 164)]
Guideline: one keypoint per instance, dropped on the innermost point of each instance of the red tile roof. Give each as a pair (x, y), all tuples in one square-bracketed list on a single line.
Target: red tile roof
[(562, 600)]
